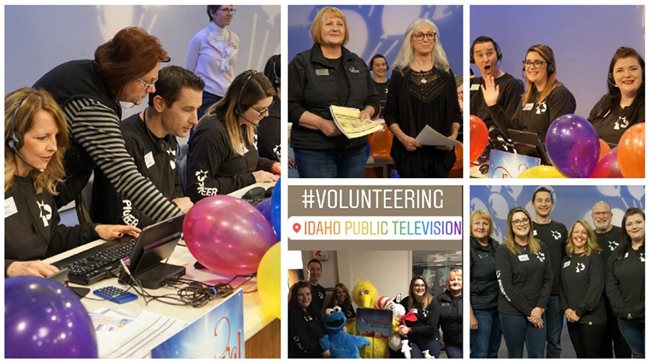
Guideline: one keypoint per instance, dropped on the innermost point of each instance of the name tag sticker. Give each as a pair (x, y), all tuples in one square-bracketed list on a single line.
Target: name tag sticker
[(528, 107), (566, 264), (535, 232), (323, 72), (474, 87), (523, 258), (149, 160), (10, 207)]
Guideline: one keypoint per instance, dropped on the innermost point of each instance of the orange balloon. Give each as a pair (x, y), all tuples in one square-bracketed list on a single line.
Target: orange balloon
[(604, 149), (631, 152), (381, 142), (457, 170), (478, 137)]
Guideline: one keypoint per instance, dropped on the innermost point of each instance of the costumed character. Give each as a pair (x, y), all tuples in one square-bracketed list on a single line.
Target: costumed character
[(365, 295), (336, 340), (384, 302)]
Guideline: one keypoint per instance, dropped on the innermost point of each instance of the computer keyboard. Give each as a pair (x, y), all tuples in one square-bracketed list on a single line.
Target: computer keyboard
[(97, 263)]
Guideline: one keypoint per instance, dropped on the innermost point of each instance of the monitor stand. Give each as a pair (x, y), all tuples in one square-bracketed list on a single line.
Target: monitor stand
[(156, 277)]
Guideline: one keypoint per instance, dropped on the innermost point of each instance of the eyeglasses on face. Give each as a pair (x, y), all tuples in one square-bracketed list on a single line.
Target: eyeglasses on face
[(148, 85), (261, 112), (429, 35), (534, 64), (520, 222)]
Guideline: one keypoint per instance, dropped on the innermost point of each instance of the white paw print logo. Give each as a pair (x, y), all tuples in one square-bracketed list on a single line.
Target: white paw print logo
[(557, 235), (642, 257), (540, 256), (541, 108), (613, 245), (580, 267)]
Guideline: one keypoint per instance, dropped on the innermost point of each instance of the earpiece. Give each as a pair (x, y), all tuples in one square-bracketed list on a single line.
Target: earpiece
[(276, 76), (610, 80), (15, 139), (238, 108), (550, 69)]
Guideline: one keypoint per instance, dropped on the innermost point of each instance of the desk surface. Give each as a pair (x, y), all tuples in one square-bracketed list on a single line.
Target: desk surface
[(254, 317)]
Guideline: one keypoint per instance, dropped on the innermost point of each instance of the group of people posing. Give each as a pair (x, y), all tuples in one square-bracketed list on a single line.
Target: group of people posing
[(69, 125), (503, 102), (431, 315), (542, 274)]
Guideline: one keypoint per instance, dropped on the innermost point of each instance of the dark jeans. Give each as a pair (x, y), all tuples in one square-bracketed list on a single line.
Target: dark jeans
[(348, 163), (554, 318), (613, 335), (634, 333), (208, 100), (517, 331), (433, 346), (586, 339), (486, 340), (454, 352)]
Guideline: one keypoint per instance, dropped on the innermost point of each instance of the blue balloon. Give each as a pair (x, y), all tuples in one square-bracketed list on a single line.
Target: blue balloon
[(265, 207), (44, 319), (276, 204)]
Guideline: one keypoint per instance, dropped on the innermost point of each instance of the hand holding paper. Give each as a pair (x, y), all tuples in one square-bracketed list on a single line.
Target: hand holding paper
[(431, 137)]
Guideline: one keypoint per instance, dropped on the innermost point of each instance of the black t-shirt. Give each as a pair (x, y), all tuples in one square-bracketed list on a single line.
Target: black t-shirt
[(615, 122), (305, 332), (583, 284), (268, 133), (625, 283), (484, 289), (609, 241), (554, 236), (510, 91), (317, 300), (155, 159), (382, 91)]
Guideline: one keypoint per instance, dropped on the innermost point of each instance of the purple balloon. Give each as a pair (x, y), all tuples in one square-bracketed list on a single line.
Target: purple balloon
[(227, 235), (573, 146), (265, 208), (44, 319), (608, 166)]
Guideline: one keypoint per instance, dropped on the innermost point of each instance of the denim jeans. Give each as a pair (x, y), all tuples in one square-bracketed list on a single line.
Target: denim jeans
[(454, 352), (486, 340), (349, 163), (554, 318), (207, 100), (433, 346), (634, 333), (517, 331)]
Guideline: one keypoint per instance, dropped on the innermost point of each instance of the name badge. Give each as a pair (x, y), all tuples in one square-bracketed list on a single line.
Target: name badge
[(474, 87), (149, 160), (566, 264), (523, 258), (323, 72), (10, 207), (528, 107), (224, 64), (535, 232)]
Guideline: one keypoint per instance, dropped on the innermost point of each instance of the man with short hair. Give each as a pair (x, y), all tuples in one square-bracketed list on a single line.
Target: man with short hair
[(378, 69), (150, 139), (554, 235), (609, 236), (315, 269)]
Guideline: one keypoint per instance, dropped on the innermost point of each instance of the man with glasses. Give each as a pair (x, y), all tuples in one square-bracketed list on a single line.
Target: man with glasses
[(554, 235), (212, 54), (486, 56), (609, 237), (124, 69), (150, 139)]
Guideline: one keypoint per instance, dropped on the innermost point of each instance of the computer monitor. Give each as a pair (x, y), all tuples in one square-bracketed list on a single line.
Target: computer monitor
[(528, 143), (147, 262)]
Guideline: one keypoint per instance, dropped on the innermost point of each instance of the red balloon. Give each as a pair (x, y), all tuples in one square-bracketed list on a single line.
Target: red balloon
[(227, 235), (631, 152), (604, 149), (608, 166), (478, 137)]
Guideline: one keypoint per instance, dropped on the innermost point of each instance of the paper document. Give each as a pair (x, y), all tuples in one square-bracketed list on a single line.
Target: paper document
[(347, 120), (429, 136)]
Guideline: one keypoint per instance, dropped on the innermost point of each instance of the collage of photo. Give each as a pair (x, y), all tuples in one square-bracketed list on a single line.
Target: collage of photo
[(316, 181)]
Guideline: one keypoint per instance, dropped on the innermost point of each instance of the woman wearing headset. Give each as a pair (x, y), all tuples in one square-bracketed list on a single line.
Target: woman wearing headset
[(36, 136), (222, 156), (545, 98)]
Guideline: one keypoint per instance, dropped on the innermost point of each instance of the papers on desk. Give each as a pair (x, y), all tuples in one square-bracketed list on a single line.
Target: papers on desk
[(125, 336), (347, 120), (429, 136)]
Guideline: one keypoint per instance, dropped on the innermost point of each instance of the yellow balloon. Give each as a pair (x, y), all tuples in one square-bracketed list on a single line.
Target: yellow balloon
[(268, 281), (541, 171)]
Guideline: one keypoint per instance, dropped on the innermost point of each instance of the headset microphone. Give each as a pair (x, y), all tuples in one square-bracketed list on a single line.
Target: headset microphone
[(26, 162), (15, 139), (249, 121)]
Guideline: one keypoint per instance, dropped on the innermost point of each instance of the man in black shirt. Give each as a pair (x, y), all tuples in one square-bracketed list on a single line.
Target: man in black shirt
[(609, 237), (317, 291), (554, 235), (378, 69), (150, 139)]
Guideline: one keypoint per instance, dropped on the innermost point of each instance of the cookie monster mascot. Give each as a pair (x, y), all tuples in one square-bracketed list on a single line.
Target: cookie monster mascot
[(338, 342)]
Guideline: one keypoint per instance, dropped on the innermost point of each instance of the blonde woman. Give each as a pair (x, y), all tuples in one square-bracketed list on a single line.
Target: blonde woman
[(581, 295), (525, 278), (36, 136)]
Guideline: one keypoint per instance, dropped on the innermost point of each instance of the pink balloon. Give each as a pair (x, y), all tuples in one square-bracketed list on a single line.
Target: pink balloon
[(227, 235), (608, 166)]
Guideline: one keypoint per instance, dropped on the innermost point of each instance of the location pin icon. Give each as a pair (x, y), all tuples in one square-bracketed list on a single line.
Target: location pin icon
[(296, 227)]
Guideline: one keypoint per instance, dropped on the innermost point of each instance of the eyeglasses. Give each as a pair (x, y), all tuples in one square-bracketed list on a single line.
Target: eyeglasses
[(228, 10), (534, 64), (521, 222), (148, 85), (601, 213), (261, 112), (419, 285), (429, 35)]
